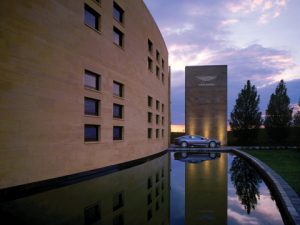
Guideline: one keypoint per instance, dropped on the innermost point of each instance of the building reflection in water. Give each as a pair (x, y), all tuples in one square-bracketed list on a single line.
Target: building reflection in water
[(138, 195), (206, 191)]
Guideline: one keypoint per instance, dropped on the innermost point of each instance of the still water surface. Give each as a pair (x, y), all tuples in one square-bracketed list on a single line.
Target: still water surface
[(173, 189)]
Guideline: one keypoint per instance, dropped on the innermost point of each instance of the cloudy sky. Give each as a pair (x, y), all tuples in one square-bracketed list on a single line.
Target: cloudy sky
[(258, 40)]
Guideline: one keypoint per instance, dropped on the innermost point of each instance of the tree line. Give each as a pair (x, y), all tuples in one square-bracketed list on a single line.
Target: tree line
[(246, 117)]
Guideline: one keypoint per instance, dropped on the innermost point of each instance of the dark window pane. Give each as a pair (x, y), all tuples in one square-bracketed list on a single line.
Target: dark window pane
[(91, 80), (149, 117), (91, 106), (149, 101), (150, 64), (118, 13), (118, 37), (149, 132), (118, 133), (91, 17), (92, 214), (118, 220), (118, 89), (150, 46), (118, 111), (91, 133), (118, 201)]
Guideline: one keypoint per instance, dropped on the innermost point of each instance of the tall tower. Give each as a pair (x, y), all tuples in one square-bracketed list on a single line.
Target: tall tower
[(206, 101)]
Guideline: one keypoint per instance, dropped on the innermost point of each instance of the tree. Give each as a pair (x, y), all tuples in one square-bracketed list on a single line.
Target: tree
[(279, 113), (297, 116), (245, 114)]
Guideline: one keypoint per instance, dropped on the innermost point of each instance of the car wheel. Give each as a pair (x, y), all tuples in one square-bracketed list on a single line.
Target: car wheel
[(184, 155), (212, 144), (184, 144)]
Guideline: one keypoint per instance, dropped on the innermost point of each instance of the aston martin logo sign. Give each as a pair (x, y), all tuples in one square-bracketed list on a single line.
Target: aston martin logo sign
[(206, 80)]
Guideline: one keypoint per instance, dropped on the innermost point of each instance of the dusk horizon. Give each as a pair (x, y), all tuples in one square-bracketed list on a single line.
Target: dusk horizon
[(255, 39)]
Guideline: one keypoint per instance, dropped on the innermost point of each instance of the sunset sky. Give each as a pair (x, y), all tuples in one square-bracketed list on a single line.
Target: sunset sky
[(258, 40)]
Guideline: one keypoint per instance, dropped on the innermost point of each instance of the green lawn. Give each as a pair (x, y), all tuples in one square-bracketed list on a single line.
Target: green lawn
[(285, 162)]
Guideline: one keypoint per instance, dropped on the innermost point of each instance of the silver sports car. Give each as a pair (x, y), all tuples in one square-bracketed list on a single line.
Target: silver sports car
[(196, 140)]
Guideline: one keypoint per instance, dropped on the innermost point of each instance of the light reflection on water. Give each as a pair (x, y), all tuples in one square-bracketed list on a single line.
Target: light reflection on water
[(193, 189)]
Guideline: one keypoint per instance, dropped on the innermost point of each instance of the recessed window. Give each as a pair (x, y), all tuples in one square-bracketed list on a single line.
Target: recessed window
[(118, 89), (118, 111), (162, 107), (149, 117), (150, 64), (92, 80), (118, 13), (118, 201), (91, 106), (157, 105), (157, 133), (163, 78), (162, 120), (150, 46), (91, 132), (157, 191), (149, 214), (162, 186), (149, 182), (149, 133), (157, 56), (157, 177), (162, 133), (118, 37), (157, 119), (162, 172), (91, 17), (118, 133), (163, 63), (150, 101), (157, 206), (149, 198), (118, 219), (157, 71), (92, 214)]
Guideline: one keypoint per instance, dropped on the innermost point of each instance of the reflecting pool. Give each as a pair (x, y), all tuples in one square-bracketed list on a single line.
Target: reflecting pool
[(173, 189)]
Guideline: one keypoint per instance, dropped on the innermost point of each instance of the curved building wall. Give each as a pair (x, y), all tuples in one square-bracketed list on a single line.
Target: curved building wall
[(50, 52)]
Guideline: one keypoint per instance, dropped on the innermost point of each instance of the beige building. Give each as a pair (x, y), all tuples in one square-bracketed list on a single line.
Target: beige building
[(83, 85)]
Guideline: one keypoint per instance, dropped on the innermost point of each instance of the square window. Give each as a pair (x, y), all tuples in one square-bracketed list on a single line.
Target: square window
[(149, 133), (157, 119), (118, 13), (91, 132), (163, 78), (91, 17), (157, 56), (118, 37), (150, 64), (157, 133), (118, 201), (118, 219), (91, 106), (150, 46), (157, 105), (157, 71), (92, 214), (118, 89), (118, 133), (92, 80), (149, 101), (118, 111), (149, 117)]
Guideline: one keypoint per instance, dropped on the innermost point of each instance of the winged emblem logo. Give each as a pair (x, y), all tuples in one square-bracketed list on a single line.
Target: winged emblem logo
[(206, 78)]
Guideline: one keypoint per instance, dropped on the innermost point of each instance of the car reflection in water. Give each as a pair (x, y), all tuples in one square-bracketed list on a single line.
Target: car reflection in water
[(196, 157)]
